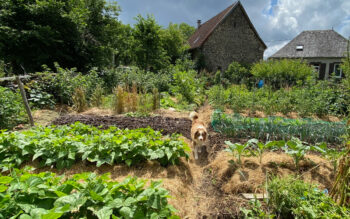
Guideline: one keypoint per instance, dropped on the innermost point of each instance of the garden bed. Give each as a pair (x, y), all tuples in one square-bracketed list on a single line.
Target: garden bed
[(165, 124)]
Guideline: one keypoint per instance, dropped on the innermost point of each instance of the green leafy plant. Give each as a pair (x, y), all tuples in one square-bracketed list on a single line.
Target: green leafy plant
[(296, 149), (41, 99), (85, 195), (63, 146), (278, 128), (238, 150), (12, 110), (260, 148), (293, 198), (255, 210)]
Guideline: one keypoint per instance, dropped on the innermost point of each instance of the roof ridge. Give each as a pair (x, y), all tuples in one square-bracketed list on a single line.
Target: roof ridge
[(205, 30)]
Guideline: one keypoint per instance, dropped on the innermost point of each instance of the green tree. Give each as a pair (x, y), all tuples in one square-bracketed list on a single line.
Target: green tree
[(174, 42), (187, 30), (149, 51), (73, 33)]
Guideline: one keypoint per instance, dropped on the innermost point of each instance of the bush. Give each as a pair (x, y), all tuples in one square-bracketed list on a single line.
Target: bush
[(319, 98), (187, 87), (12, 111), (292, 198), (62, 84), (236, 74), (282, 73), (129, 75)]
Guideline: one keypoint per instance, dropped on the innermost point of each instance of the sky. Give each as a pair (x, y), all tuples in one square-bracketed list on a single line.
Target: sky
[(277, 21)]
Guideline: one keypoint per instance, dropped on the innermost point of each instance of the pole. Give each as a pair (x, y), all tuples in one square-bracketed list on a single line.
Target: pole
[(25, 101)]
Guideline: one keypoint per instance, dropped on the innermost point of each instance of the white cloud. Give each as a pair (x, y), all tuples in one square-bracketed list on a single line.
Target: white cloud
[(274, 22)]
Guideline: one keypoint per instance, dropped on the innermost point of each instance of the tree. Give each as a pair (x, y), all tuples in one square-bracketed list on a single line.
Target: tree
[(187, 30), (72, 33), (174, 42), (148, 48), (36, 32)]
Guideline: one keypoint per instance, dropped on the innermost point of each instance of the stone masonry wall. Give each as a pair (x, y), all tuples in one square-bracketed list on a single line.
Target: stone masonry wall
[(232, 40)]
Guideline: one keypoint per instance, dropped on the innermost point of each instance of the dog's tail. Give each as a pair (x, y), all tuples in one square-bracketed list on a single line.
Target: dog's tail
[(193, 116)]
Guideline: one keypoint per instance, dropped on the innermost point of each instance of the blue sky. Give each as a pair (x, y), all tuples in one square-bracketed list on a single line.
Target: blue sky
[(277, 21)]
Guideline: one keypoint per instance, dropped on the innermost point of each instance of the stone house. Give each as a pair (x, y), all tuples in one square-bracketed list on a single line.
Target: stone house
[(323, 49), (227, 37)]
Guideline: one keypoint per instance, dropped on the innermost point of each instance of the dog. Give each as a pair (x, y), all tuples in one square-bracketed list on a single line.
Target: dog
[(199, 134)]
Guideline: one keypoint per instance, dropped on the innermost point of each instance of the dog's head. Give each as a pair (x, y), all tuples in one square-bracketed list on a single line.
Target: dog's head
[(201, 135)]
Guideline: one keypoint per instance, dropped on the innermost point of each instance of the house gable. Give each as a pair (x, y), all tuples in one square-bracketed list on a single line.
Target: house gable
[(233, 39), (203, 33)]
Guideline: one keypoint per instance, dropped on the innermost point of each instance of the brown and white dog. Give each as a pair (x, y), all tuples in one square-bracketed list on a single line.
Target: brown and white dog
[(199, 134)]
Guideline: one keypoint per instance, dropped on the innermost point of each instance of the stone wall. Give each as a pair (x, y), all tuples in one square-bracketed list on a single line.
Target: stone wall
[(232, 40)]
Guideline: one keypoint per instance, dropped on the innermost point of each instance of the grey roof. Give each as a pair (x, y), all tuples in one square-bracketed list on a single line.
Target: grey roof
[(316, 44)]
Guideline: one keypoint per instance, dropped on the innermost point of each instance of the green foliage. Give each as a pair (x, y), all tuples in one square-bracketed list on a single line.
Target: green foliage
[(255, 211), (40, 99), (297, 150), (73, 33), (187, 87), (149, 52), (236, 73), (85, 195), (319, 98), (292, 198), (174, 41), (129, 75), (63, 146), (63, 83), (282, 73), (12, 111), (277, 128), (238, 150)]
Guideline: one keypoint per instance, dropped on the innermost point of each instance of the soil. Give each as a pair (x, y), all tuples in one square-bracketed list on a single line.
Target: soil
[(209, 187), (167, 125)]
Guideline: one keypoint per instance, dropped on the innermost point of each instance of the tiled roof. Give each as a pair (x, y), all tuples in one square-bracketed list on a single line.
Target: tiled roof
[(314, 44), (205, 30)]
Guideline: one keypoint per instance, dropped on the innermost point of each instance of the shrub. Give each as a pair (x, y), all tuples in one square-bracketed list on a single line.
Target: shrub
[(12, 111), (237, 73), (62, 83), (282, 73), (127, 76), (41, 99), (314, 98), (187, 87), (293, 198)]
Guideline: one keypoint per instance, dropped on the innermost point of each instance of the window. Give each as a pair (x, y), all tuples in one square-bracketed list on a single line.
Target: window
[(337, 70), (316, 68), (300, 48)]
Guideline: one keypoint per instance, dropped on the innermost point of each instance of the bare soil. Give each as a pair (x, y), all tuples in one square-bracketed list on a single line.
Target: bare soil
[(209, 187)]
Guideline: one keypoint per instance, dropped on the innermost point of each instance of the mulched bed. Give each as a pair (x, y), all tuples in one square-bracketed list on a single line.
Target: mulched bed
[(165, 124)]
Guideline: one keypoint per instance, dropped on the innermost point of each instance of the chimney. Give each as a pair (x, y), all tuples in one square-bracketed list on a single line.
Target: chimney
[(199, 22)]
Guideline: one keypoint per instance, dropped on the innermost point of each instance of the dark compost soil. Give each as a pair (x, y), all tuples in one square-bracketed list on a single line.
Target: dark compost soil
[(165, 124)]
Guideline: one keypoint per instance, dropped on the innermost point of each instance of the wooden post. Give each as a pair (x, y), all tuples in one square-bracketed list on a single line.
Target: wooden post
[(25, 101)]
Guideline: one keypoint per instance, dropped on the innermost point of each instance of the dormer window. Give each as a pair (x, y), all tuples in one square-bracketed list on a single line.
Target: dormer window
[(300, 48)]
